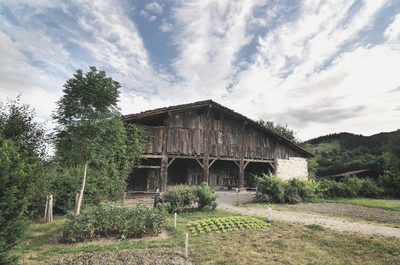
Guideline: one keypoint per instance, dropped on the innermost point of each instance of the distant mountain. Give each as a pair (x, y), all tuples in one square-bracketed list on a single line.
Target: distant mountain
[(341, 152), (352, 141)]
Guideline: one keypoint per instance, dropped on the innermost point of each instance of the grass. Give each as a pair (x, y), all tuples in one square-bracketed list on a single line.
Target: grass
[(282, 243), (376, 203), (328, 147)]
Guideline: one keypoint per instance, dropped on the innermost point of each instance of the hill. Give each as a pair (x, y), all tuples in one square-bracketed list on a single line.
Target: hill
[(342, 152)]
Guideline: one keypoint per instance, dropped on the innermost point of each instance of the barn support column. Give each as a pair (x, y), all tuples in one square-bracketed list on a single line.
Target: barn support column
[(164, 158), (241, 161), (206, 160)]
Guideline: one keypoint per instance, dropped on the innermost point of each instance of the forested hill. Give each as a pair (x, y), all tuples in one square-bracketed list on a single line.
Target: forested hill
[(351, 141), (341, 152)]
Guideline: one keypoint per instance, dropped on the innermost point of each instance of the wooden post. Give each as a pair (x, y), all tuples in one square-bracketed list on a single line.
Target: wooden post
[(241, 159), (164, 158), (237, 195), (48, 212), (186, 246), (206, 170)]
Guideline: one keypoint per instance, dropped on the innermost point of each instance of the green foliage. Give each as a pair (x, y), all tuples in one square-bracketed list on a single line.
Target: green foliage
[(206, 197), (180, 197), (391, 178), (351, 187), (278, 190), (15, 192), (281, 129), (90, 130), (108, 219), (315, 227), (17, 123), (231, 223)]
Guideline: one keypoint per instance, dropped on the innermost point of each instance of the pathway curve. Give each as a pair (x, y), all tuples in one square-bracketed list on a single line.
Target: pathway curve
[(227, 200)]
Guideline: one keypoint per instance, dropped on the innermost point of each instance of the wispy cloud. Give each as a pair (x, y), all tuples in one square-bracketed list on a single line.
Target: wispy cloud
[(166, 27), (157, 8)]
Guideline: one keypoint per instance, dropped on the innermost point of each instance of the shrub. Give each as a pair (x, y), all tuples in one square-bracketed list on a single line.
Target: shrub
[(350, 187), (15, 189), (183, 196), (178, 198), (274, 189), (206, 197), (108, 219)]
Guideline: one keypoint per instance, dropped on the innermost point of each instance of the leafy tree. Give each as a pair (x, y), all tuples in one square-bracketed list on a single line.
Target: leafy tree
[(391, 154), (89, 127), (281, 129), (15, 191), (335, 151), (17, 123)]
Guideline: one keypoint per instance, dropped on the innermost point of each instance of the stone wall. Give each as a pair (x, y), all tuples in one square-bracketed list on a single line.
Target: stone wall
[(292, 167)]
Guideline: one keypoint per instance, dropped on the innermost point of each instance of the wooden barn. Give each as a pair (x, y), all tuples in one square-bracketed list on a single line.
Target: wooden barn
[(205, 141)]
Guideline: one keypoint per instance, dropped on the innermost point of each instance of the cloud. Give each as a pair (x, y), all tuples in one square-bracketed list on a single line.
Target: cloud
[(152, 18), (157, 8), (393, 30), (166, 27), (144, 13)]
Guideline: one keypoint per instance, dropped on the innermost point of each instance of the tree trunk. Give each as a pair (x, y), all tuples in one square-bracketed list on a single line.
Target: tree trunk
[(78, 207)]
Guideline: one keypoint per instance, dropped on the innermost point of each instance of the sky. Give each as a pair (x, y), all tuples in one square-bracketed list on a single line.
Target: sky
[(320, 67)]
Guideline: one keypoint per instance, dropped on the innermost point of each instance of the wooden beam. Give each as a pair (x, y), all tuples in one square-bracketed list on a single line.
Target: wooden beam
[(164, 158), (236, 163), (245, 165), (212, 163), (151, 167), (272, 165), (198, 161), (170, 162)]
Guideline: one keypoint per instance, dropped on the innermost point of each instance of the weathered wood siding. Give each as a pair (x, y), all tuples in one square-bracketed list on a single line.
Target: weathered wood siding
[(187, 131)]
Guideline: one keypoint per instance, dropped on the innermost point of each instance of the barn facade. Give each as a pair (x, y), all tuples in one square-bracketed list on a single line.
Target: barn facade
[(205, 141)]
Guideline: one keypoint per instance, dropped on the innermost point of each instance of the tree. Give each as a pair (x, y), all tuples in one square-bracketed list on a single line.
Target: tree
[(15, 190), (281, 129), (89, 127), (391, 154), (17, 123)]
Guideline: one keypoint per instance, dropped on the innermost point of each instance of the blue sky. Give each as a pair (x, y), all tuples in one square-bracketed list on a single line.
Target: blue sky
[(319, 66)]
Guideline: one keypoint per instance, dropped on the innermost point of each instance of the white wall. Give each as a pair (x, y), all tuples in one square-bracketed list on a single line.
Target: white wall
[(292, 167)]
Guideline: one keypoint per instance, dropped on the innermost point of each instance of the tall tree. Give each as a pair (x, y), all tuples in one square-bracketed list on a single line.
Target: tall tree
[(15, 192), (391, 154), (281, 129), (89, 127), (17, 123)]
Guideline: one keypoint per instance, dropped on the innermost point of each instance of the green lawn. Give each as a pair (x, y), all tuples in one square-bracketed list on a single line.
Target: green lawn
[(388, 204), (282, 243)]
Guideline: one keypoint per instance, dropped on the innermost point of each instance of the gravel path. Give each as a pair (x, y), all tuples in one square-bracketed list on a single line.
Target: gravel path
[(227, 200)]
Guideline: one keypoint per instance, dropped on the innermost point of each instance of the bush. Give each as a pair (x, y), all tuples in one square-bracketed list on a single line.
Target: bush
[(350, 187), (206, 197), (180, 197), (275, 189), (108, 219), (15, 191), (66, 182)]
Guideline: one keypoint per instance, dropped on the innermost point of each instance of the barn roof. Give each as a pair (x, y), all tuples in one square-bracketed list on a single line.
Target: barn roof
[(142, 116), (355, 172)]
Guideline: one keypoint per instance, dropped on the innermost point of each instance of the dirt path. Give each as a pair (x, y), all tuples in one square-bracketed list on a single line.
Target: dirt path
[(227, 201)]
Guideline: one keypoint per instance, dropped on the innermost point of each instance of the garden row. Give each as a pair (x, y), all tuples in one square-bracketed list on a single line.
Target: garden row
[(277, 190)]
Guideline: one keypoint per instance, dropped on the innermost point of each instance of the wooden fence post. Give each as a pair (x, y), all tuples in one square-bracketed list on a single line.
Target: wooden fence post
[(48, 212)]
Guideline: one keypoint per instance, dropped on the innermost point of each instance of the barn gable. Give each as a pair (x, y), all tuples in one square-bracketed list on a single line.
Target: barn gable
[(205, 141)]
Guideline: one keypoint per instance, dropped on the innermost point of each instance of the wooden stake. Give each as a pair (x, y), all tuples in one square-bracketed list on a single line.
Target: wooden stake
[(186, 246)]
